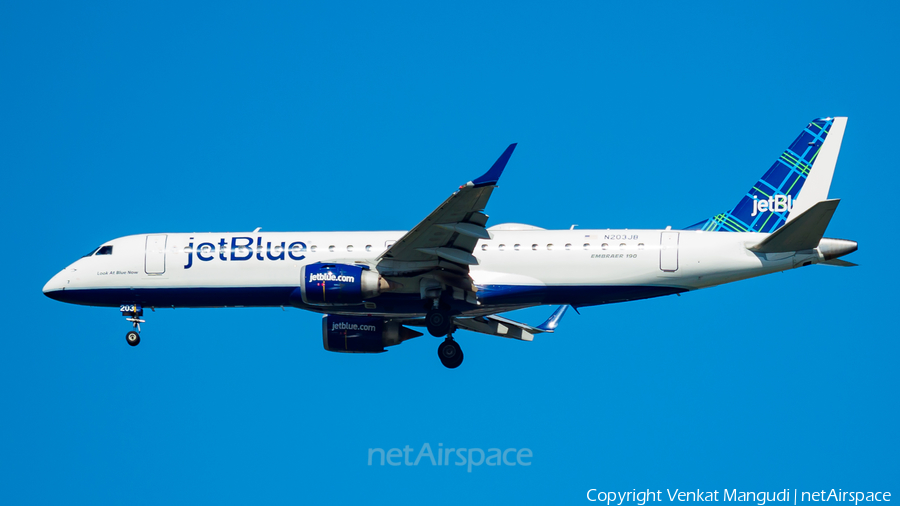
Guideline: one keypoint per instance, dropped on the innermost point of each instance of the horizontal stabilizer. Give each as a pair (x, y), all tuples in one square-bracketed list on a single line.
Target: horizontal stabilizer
[(802, 233), (840, 263)]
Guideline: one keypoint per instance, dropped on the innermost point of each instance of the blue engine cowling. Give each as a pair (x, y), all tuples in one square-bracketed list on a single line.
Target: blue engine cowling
[(338, 284), (353, 334)]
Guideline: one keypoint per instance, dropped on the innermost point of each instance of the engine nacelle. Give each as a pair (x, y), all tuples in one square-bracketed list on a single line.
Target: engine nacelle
[(354, 334), (339, 284)]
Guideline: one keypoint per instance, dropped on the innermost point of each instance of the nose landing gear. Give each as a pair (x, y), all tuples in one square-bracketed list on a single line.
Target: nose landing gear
[(133, 338), (133, 313)]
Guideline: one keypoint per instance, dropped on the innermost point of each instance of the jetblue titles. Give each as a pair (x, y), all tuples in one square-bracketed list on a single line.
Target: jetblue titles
[(775, 204), (353, 326), (330, 276), (239, 249)]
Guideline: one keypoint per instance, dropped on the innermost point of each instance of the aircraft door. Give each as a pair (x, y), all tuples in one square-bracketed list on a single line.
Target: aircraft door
[(668, 251), (155, 255)]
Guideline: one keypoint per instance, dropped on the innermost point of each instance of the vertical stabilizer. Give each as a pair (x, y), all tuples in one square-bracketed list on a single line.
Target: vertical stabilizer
[(818, 182), (804, 168)]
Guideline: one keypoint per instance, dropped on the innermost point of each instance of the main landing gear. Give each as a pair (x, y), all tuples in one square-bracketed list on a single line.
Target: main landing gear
[(133, 313), (450, 353), (438, 322)]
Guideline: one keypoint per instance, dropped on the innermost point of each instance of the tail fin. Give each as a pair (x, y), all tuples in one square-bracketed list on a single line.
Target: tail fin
[(798, 180)]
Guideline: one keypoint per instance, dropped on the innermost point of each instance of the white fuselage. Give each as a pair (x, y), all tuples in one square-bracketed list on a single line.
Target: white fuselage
[(582, 267)]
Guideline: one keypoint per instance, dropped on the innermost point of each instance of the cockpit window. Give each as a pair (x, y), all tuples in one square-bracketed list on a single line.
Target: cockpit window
[(92, 251), (105, 250)]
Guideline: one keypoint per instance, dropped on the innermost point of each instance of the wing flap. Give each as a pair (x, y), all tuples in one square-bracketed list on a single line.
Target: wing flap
[(495, 326), (451, 255), (467, 229), (438, 229)]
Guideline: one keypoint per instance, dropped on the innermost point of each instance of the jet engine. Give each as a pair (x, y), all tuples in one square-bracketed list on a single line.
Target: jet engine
[(353, 334), (339, 284)]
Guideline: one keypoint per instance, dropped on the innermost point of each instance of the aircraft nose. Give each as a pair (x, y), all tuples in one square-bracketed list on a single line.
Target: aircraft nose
[(56, 285)]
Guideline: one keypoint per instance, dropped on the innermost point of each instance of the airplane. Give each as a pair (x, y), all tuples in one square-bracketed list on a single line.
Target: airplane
[(452, 272)]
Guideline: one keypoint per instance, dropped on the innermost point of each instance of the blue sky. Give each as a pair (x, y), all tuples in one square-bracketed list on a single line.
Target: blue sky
[(164, 117)]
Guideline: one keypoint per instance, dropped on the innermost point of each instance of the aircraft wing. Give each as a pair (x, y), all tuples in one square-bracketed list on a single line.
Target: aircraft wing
[(442, 243), (504, 327)]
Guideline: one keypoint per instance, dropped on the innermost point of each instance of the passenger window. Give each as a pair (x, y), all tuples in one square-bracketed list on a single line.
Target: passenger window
[(350, 248), (312, 248), (502, 247), (105, 250), (640, 245), (587, 245), (549, 247), (568, 245), (484, 247), (534, 247), (331, 249), (604, 246), (622, 246), (516, 247), (368, 247)]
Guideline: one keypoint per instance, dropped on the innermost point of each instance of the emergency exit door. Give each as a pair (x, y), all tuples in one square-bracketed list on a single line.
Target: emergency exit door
[(155, 255), (668, 251)]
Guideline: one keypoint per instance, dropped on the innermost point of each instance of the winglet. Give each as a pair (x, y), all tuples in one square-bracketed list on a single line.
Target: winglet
[(552, 322), (493, 175)]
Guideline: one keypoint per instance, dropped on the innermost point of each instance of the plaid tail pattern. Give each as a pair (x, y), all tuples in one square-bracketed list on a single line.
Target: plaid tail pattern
[(785, 177)]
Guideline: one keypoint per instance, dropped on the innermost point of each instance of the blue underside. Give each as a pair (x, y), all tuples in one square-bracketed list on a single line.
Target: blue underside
[(490, 295)]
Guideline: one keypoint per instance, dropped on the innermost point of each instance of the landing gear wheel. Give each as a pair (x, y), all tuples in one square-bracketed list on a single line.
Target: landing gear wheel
[(438, 322), (450, 353), (133, 338)]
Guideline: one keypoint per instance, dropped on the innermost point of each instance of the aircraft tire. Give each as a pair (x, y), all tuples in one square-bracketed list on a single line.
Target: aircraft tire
[(133, 338), (450, 353), (438, 322)]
